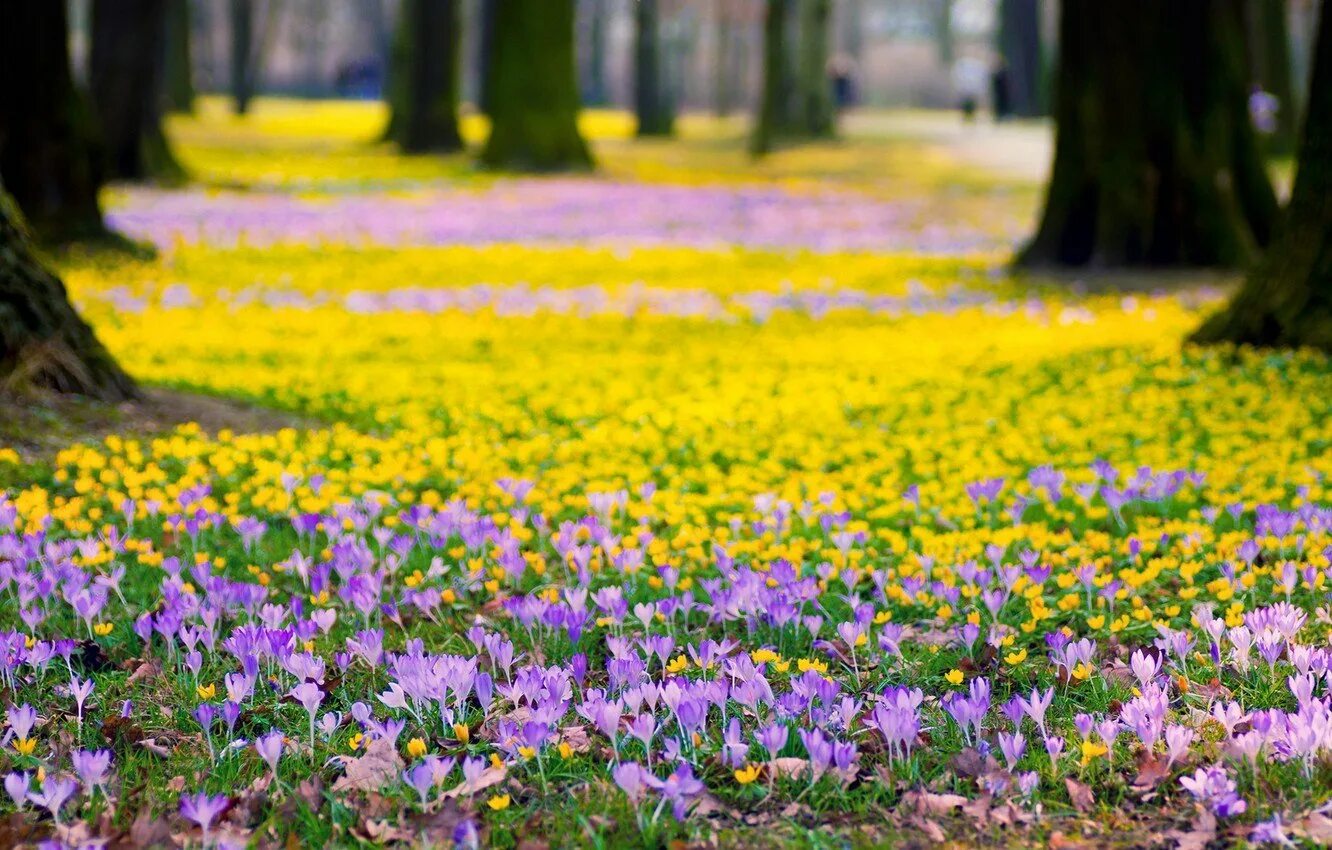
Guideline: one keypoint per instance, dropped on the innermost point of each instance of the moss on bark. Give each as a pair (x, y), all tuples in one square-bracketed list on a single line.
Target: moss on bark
[(49, 152), (814, 105), (652, 101), (127, 80), (424, 81), (1019, 39), (532, 89), (1287, 300), (796, 102), (177, 66), (44, 345), (1156, 161)]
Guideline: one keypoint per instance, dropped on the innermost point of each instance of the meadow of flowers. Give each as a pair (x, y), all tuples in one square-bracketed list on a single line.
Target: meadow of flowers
[(672, 528)]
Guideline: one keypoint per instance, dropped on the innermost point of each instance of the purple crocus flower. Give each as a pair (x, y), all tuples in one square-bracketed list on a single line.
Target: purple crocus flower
[(92, 767), (202, 809), (629, 776), (16, 786), (55, 791), (269, 748), (1213, 787)]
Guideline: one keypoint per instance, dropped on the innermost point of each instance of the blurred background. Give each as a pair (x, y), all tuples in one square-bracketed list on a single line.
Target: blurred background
[(881, 53)]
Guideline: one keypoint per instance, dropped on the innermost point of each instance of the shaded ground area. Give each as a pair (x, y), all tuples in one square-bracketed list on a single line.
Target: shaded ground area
[(37, 427)]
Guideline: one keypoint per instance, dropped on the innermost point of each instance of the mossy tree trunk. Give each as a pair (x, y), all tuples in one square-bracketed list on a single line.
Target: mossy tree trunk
[(1020, 49), (774, 100), (532, 86), (1272, 68), (1287, 300), (49, 156), (126, 75), (653, 106), (944, 47), (594, 75), (486, 37), (796, 102), (425, 77), (724, 67), (814, 105), (44, 345), (242, 40), (177, 62), (1156, 160)]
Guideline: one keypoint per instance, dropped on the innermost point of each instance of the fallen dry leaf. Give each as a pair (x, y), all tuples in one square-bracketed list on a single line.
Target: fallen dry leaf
[(970, 763), (1315, 827), (490, 776), (788, 767), (932, 830), (1151, 771), (978, 809), (379, 766), (1198, 836), (927, 802), (1060, 841), (435, 828), (576, 738), (145, 671), (1083, 798)]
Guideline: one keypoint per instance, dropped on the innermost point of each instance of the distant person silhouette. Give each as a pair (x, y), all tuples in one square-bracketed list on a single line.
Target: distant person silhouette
[(970, 77)]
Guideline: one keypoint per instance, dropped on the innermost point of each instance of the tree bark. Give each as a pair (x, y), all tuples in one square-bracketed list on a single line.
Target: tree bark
[(126, 74), (797, 94), (652, 102), (1271, 67), (178, 67), (723, 61), (532, 83), (49, 156), (1020, 50), (425, 78), (1156, 160), (815, 105), (486, 36), (242, 43), (594, 77), (44, 345), (774, 102), (943, 33), (1287, 300)]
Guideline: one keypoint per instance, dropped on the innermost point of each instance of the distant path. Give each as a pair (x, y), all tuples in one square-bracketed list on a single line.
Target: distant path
[(1021, 150)]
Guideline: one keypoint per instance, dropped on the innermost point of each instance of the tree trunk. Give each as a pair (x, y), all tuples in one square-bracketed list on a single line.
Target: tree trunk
[(178, 71), (486, 36), (594, 77), (424, 93), (1287, 300), (814, 116), (652, 102), (1156, 160), (242, 43), (49, 156), (773, 102), (44, 344), (1020, 50), (1272, 68), (943, 32), (723, 62), (126, 74), (533, 88)]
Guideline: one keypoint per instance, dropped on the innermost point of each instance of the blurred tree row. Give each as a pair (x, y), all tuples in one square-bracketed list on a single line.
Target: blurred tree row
[(1157, 160), (59, 143)]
